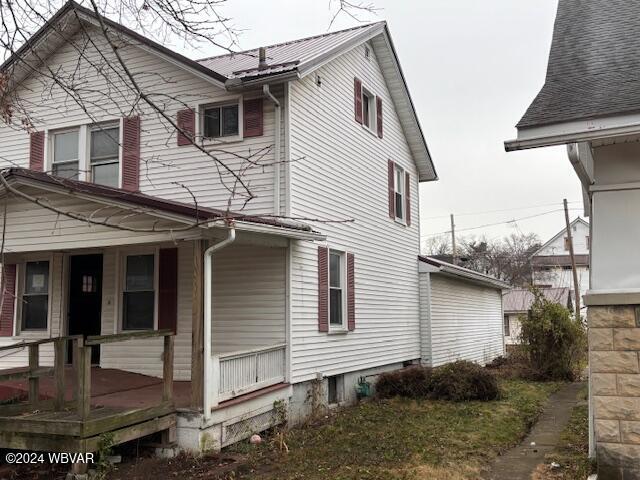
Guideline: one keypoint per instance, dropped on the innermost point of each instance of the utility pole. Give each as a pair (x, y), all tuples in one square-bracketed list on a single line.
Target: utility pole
[(453, 241), (576, 287)]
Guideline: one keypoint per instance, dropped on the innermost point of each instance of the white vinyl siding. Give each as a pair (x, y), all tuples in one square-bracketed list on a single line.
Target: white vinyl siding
[(344, 175), (164, 166), (465, 321)]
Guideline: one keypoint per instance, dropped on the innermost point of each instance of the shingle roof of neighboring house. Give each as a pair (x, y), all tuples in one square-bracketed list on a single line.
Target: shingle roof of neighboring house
[(594, 63), (521, 299), (559, 260), (464, 273), (289, 56), (148, 203)]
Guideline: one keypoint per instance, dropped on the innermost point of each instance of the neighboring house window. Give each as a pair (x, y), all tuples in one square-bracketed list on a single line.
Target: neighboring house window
[(105, 155), (139, 293), (35, 298), (336, 289), (66, 160), (221, 121), (399, 187), (507, 330), (368, 109), (566, 243), (588, 240)]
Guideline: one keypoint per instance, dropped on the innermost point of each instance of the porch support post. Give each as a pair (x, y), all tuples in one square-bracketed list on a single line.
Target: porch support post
[(197, 326)]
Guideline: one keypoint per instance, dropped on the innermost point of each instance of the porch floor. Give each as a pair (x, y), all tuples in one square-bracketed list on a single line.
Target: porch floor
[(107, 388)]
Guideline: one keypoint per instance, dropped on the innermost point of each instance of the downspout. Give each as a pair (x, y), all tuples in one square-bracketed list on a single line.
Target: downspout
[(208, 264), (276, 150)]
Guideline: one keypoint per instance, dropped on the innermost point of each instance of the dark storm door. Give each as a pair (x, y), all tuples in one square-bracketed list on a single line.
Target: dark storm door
[(85, 298)]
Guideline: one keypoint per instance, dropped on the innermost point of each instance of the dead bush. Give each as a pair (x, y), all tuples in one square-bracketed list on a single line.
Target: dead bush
[(462, 381), (410, 382)]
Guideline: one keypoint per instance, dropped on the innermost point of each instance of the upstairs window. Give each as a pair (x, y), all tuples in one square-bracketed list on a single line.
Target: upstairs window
[(221, 121), (368, 109), (66, 159), (139, 293), (399, 189), (35, 297), (566, 243), (588, 241), (105, 155)]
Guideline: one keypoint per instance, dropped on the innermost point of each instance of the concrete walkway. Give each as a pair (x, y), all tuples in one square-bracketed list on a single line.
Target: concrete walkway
[(520, 462)]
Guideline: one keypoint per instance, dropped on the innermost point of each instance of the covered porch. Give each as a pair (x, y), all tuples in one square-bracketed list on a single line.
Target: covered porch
[(66, 277)]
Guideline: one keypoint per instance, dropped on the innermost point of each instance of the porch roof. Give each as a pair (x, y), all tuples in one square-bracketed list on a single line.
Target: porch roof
[(199, 216)]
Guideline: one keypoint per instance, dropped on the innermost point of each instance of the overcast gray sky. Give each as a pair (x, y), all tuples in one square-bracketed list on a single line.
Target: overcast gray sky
[(472, 68)]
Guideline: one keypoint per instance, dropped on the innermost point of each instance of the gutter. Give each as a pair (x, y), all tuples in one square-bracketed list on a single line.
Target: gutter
[(208, 308), (276, 148)]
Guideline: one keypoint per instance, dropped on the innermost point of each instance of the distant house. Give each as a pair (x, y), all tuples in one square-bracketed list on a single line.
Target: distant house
[(518, 301), (551, 263), (460, 312)]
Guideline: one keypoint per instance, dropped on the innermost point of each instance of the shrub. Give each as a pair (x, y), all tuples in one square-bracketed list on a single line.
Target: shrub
[(461, 381), (411, 382), (554, 342)]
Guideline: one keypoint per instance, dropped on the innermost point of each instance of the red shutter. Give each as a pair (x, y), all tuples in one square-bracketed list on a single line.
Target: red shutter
[(391, 187), (407, 199), (131, 153), (8, 300), (379, 115), (357, 99), (36, 151), (323, 289), (253, 123), (186, 121), (168, 289), (351, 293)]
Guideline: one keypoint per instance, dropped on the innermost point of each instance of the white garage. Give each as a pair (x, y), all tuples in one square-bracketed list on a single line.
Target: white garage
[(461, 314)]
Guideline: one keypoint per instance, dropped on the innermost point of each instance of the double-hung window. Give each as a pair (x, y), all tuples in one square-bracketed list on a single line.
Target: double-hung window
[(139, 293), (368, 109), (336, 289), (399, 193), (66, 159), (506, 326), (105, 155), (221, 120), (35, 296)]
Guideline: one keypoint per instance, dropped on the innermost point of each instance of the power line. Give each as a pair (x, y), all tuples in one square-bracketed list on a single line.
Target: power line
[(498, 223), (498, 211)]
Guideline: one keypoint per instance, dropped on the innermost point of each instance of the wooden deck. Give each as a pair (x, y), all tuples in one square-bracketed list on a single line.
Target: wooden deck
[(72, 410)]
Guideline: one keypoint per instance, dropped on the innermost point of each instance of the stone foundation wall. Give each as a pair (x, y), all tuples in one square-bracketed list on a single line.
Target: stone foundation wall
[(614, 347)]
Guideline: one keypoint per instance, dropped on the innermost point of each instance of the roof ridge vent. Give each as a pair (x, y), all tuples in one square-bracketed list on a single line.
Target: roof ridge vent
[(262, 58)]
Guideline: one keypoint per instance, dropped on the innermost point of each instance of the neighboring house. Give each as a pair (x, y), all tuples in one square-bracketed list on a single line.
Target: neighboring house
[(461, 312), (551, 263), (591, 102), (102, 239), (518, 301)]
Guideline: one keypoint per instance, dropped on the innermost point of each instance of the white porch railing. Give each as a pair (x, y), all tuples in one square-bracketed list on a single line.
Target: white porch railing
[(237, 373)]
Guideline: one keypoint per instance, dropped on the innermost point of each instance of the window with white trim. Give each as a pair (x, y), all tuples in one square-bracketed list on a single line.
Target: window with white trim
[(35, 296), (506, 326), (368, 109), (399, 193), (138, 296), (89, 153), (65, 161), (220, 121), (104, 154), (337, 290)]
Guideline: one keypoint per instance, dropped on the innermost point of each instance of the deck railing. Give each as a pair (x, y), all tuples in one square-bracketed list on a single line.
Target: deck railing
[(237, 373), (82, 367)]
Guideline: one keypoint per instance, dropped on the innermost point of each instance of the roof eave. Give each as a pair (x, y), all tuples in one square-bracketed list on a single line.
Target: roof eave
[(461, 273)]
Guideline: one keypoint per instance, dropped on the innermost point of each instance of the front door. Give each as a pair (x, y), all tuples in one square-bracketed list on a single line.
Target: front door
[(85, 298)]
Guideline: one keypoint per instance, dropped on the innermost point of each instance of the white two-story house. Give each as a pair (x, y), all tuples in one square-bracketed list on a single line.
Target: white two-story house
[(124, 215)]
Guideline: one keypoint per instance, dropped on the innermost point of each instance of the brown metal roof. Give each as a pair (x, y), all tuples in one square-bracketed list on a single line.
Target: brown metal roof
[(520, 299), (197, 213)]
